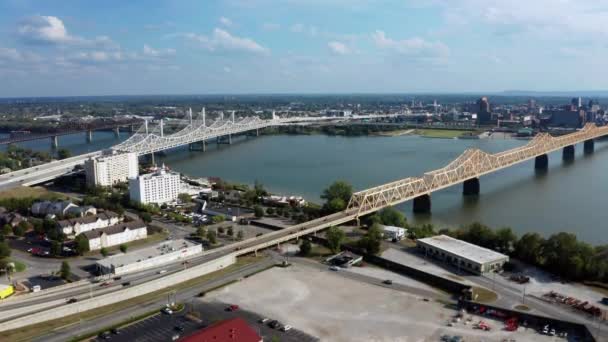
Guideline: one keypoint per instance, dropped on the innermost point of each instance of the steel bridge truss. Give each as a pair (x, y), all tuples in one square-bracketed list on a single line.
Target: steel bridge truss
[(472, 163)]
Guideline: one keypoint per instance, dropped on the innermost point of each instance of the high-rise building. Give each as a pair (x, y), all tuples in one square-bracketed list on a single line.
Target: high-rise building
[(159, 187), (531, 104), (483, 112), (110, 168)]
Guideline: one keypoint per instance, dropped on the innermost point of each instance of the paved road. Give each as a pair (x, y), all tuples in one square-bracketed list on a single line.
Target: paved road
[(117, 317)]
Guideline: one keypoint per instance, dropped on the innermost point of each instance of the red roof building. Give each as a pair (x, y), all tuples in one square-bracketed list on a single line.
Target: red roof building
[(230, 330)]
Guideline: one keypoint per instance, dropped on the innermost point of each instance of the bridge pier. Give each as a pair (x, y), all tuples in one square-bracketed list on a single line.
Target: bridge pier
[(54, 141), (133, 128), (198, 146), (589, 146), (422, 204), (541, 162), (226, 140), (117, 132), (568, 154), (470, 187), (89, 136)]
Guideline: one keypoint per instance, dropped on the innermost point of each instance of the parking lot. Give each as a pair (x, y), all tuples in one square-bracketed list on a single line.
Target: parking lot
[(162, 327)]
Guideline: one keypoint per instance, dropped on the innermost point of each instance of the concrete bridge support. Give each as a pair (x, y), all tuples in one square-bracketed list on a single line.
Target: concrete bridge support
[(54, 141), (568, 154), (117, 132), (133, 128), (198, 146), (470, 187), (589, 146), (224, 140), (422, 204), (541, 162), (89, 136)]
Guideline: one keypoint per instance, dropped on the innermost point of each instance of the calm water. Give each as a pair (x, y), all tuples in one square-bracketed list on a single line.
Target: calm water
[(570, 197), (76, 143)]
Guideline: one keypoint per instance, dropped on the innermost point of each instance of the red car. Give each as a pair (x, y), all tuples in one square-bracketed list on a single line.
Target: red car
[(232, 307)]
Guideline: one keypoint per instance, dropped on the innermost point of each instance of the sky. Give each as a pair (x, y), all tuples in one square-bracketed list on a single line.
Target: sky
[(136, 47)]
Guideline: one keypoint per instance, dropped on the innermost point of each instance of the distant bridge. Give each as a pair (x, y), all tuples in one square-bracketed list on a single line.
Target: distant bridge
[(153, 139), (72, 128)]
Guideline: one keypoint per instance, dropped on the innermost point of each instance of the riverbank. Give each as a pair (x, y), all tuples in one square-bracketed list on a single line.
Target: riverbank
[(444, 133)]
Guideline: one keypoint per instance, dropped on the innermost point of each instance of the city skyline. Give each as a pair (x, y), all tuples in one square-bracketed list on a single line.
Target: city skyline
[(263, 46)]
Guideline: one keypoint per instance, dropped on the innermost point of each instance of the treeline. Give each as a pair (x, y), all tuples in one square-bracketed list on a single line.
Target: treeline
[(347, 130)]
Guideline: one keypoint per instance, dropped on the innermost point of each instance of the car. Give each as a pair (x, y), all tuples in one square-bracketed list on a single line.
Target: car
[(167, 311), (552, 332), (274, 324), (104, 335), (264, 320), (286, 327), (126, 283), (445, 338), (334, 268), (115, 331), (456, 339), (106, 283), (72, 300), (117, 278), (162, 271), (232, 307), (178, 328), (388, 282)]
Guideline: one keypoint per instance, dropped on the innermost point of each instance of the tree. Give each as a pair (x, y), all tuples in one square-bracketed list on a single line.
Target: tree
[(201, 232), (5, 250), (335, 236), (212, 237), (104, 252), (123, 248), (230, 231), (7, 230), (65, 271), (372, 241), (218, 219), (336, 196), (63, 153), (220, 230), (55, 248), (270, 211), (18, 230), (240, 235), (392, 217), (184, 197), (505, 240), (305, 247), (146, 217), (82, 244), (258, 211)]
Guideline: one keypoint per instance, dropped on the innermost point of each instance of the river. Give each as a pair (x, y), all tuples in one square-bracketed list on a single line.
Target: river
[(569, 197)]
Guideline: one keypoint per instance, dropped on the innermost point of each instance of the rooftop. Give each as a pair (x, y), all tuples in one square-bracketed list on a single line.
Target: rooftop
[(105, 215), (230, 330), (115, 229), (392, 228), (134, 256), (463, 249)]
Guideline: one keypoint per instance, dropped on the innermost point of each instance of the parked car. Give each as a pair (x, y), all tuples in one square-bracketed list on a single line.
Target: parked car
[(178, 328), (104, 335), (167, 311), (264, 320), (274, 324), (286, 327), (388, 282), (115, 331)]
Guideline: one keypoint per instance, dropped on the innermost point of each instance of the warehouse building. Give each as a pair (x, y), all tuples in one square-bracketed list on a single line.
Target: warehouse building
[(462, 254), (154, 256)]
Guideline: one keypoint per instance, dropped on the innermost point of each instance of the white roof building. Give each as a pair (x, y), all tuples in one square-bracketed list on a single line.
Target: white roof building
[(462, 254), (116, 234), (159, 187), (111, 168)]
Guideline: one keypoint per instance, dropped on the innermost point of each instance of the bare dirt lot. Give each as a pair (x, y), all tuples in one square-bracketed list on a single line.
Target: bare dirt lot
[(325, 304)]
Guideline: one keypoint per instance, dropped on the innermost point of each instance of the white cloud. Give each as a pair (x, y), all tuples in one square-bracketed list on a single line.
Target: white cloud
[(270, 26), (226, 21), (339, 48), (151, 52), (414, 47), (51, 30), (222, 40)]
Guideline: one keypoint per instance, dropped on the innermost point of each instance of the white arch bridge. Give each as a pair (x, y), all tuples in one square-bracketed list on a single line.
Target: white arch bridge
[(148, 139)]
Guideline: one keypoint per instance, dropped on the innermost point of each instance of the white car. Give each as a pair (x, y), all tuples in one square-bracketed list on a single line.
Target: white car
[(162, 271), (286, 328), (334, 268), (167, 311)]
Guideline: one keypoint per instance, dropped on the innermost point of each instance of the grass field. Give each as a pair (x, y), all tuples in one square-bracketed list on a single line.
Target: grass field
[(441, 133), (25, 191), (32, 331), (19, 266)]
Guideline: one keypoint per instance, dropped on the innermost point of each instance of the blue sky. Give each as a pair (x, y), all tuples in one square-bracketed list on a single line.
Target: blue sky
[(54, 48)]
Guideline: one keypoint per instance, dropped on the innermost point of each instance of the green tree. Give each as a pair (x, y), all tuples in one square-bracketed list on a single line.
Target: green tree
[(230, 231), (7, 230), (104, 252), (305, 247), (392, 217), (372, 241), (240, 235), (335, 236), (123, 248), (82, 244), (63, 153), (336, 196), (18, 230), (220, 230), (218, 219), (146, 217), (258, 211), (270, 211), (65, 271), (212, 237), (55, 248), (5, 250), (422, 231), (505, 240), (184, 198), (201, 232)]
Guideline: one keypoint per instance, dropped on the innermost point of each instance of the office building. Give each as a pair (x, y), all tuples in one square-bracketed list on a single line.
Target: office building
[(161, 186), (111, 168), (461, 254), (484, 116)]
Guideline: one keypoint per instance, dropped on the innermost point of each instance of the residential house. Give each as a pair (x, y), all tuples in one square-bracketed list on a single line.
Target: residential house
[(116, 235), (75, 226)]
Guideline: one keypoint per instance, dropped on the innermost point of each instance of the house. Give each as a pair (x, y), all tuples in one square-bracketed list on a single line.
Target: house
[(393, 233), (61, 208), (116, 235), (83, 224), (230, 330), (12, 219)]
